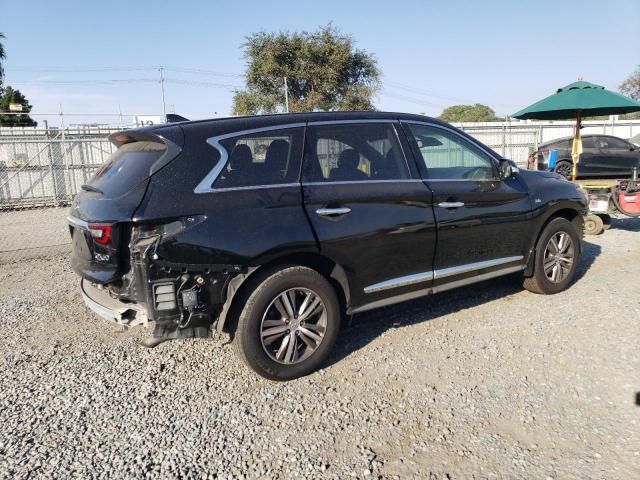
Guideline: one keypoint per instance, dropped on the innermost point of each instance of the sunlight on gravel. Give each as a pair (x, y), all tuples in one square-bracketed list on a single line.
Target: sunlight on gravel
[(485, 381)]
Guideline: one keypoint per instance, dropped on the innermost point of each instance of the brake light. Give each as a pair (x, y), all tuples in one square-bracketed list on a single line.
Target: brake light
[(101, 234)]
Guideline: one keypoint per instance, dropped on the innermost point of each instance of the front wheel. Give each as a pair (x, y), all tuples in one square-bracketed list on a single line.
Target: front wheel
[(556, 258), (289, 323)]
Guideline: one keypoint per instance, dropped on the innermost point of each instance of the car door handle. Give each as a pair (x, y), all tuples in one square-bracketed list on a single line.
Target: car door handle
[(451, 204), (330, 212)]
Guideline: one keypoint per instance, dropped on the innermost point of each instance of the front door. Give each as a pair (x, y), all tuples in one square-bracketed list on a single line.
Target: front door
[(369, 213), (483, 222), (617, 157)]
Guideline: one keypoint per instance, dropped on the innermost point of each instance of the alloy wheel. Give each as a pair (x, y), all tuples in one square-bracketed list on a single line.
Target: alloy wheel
[(565, 169), (293, 325), (559, 256)]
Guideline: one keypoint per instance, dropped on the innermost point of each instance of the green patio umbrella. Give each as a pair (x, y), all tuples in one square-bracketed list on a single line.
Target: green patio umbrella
[(575, 101)]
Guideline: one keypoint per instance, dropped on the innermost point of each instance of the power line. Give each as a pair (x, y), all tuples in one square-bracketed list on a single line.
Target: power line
[(196, 71)]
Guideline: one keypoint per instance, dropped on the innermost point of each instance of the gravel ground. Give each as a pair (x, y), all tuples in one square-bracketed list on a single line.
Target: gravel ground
[(487, 381)]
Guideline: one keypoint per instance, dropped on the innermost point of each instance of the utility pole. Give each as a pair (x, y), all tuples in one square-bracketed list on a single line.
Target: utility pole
[(286, 95), (164, 107)]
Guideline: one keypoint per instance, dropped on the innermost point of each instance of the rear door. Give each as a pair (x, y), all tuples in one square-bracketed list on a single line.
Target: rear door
[(483, 222), (101, 213), (370, 214)]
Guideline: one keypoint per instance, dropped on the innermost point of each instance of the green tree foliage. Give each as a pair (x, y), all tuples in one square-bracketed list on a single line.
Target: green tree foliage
[(468, 113), (7, 96), (324, 71)]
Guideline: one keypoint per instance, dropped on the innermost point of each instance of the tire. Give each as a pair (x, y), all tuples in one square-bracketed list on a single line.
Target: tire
[(606, 221), (275, 303), (559, 273), (564, 168), (593, 225)]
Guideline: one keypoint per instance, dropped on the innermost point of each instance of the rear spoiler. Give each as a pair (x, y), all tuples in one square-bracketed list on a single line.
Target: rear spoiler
[(173, 118)]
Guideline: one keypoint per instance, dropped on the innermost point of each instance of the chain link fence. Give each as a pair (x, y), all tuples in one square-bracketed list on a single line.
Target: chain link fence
[(42, 169), (40, 172)]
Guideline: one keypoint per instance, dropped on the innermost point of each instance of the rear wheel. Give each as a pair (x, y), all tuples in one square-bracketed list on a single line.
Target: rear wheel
[(565, 169), (556, 258), (593, 225), (289, 323)]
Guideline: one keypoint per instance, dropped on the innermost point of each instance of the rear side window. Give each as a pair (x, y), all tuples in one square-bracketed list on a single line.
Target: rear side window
[(128, 166), (262, 159), (352, 153)]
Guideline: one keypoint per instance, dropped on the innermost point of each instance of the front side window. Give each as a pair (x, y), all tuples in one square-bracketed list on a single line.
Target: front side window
[(448, 156), (261, 159), (353, 153)]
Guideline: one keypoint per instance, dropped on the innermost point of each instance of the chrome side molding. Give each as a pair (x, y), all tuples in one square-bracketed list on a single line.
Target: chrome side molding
[(399, 282), (442, 273), (431, 290), (470, 267)]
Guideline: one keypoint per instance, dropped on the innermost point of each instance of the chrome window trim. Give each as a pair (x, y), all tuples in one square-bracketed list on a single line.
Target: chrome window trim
[(342, 122), (77, 222), (256, 187), (362, 182), (442, 273), (206, 184), (399, 282), (472, 141)]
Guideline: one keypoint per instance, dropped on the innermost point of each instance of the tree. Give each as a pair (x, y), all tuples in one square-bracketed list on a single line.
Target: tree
[(3, 55), (324, 71), (8, 96), (468, 113), (631, 86)]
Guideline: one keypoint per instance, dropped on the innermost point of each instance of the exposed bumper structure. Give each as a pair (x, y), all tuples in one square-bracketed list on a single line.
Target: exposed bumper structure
[(112, 309)]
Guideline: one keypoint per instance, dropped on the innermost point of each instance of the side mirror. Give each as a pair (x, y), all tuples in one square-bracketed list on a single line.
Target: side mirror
[(508, 169)]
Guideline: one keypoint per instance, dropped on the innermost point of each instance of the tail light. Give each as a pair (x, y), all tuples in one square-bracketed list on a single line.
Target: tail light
[(100, 233)]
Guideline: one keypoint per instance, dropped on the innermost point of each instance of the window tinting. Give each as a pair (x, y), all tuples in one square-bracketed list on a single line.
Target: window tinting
[(127, 167), (353, 152), (448, 156), (611, 142), (265, 158)]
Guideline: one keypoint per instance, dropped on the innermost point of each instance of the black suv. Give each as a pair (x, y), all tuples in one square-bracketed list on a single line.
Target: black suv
[(603, 156), (273, 227)]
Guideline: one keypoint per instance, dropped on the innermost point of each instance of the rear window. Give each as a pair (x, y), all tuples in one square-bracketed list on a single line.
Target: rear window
[(127, 167)]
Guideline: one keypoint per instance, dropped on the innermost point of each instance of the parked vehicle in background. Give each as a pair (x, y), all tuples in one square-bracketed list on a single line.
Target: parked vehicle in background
[(273, 227), (603, 156)]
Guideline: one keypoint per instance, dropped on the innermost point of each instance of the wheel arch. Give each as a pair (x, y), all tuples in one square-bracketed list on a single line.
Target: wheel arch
[(571, 214), (238, 287)]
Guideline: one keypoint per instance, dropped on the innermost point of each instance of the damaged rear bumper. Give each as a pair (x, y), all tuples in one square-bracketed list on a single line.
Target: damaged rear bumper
[(112, 309)]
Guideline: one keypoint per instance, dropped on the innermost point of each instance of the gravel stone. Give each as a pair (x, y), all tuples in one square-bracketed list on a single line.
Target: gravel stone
[(487, 381)]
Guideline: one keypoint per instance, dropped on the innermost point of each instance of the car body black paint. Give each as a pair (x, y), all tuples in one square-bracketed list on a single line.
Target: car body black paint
[(394, 229), (598, 159)]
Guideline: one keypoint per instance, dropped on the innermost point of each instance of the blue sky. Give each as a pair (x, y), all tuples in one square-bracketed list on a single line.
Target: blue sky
[(506, 54)]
